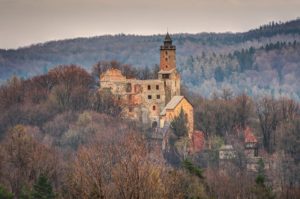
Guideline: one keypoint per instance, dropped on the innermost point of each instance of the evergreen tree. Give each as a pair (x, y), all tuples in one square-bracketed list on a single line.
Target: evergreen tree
[(178, 125), (4, 194), (25, 193), (261, 190), (193, 169), (42, 189)]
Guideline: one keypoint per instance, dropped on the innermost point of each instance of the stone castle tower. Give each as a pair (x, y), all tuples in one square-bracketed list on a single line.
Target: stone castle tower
[(153, 102), (168, 72)]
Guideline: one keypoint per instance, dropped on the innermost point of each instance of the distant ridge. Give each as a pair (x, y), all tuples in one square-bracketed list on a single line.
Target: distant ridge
[(142, 51)]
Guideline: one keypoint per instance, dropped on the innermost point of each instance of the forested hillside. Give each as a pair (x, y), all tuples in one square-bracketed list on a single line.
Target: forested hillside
[(260, 61), (60, 138)]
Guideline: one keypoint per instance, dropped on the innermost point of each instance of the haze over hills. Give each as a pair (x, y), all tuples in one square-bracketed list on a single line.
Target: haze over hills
[(265, 60)]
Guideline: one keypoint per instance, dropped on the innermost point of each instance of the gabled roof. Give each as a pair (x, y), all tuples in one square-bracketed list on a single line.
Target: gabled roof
[(172, 104), (249, 136)]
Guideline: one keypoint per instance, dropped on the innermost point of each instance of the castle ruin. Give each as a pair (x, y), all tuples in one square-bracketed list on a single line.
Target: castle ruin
[(153, 102)]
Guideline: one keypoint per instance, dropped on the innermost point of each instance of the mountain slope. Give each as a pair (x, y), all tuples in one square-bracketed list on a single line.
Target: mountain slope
[(221, 51)]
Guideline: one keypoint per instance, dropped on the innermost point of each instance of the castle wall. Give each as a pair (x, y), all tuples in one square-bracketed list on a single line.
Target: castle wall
[(142, 100)]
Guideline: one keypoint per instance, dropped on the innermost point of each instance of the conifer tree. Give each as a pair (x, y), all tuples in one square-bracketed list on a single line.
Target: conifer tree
[(42, 189), (178, 125), (4, 194), (191, 168), (261, 190)]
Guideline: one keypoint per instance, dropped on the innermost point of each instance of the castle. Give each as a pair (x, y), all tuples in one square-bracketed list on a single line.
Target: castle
[(153, 102)]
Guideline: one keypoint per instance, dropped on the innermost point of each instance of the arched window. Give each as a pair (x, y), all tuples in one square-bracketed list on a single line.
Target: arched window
[(153, 107)]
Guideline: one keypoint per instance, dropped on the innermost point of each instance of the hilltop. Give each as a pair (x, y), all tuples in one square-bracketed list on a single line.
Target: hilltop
[(261, 61)]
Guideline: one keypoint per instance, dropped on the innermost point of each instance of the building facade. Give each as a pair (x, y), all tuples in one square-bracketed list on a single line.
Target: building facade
[(153, 102)]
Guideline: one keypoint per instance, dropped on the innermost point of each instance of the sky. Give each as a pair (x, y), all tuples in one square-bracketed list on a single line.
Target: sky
[(25, 22)]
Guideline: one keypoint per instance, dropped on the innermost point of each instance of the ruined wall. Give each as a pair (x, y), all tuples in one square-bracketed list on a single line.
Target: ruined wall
[(153, 100), (142, 100)]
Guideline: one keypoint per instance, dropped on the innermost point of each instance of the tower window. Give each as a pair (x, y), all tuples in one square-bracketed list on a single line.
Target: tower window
[(153, 108), (166, 76), (157, 87), (166, 52), (130, 109), (149, 87), (157, 96), (166, 59), (149, 97)]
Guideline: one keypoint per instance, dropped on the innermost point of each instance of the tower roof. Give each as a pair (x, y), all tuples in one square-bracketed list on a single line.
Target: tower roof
[(168, 38), (168, 42)]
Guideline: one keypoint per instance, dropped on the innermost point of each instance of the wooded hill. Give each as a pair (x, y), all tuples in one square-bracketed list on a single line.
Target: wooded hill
[(261, 61)]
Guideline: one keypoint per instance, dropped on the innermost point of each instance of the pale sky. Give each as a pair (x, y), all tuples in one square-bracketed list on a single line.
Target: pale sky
[(24, 22)]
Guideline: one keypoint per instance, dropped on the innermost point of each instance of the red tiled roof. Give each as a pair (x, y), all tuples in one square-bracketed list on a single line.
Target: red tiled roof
[(198, 141), (249, 136)]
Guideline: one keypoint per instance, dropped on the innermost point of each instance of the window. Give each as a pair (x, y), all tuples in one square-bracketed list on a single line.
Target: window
[(166, 59), (149, 97), (149, 87), (157, 87), (154, 107), (157, 96), (166, 52), (166, 76), (128, 87), (130, 109)]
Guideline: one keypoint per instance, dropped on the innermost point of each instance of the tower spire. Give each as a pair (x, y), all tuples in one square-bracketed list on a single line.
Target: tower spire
[(168, 40)]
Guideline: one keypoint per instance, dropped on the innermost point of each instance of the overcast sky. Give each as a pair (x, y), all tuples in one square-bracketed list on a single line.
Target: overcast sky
[(23, 22)]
